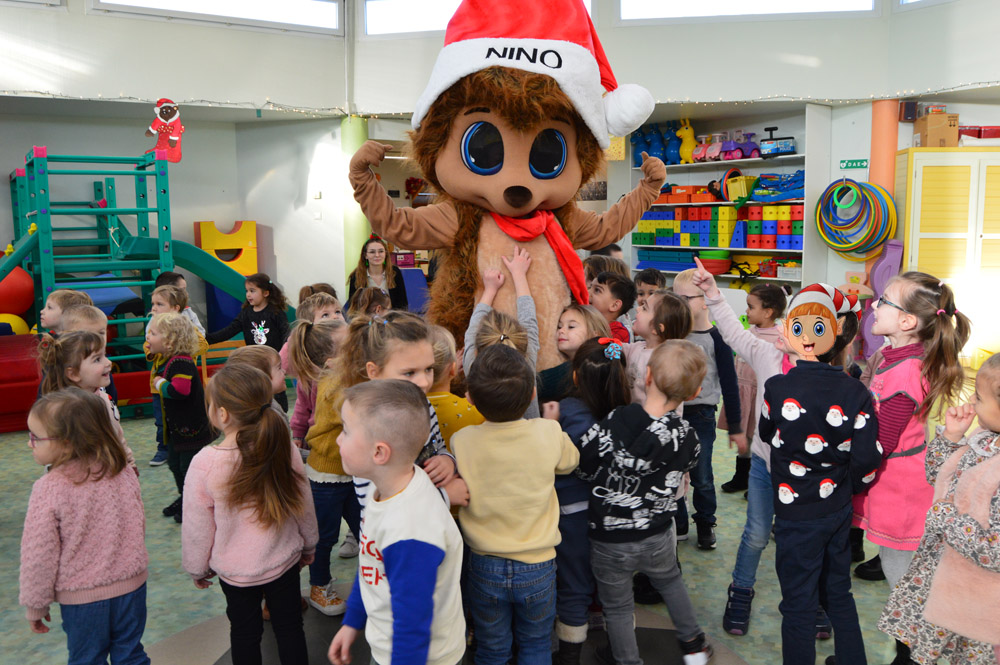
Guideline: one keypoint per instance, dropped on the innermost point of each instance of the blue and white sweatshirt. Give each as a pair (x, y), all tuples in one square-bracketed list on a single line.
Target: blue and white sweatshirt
[(406, 596)]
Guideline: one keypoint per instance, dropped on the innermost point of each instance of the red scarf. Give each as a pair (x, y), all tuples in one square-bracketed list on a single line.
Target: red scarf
[(543, 221)]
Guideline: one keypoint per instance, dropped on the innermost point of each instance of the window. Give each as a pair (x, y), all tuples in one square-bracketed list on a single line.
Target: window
[(323, 16), (42, 3), (906, 5), (393, 17), (638, 10)]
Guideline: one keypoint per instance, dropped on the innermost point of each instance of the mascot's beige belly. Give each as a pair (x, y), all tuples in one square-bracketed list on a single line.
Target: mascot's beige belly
[(545, 278)]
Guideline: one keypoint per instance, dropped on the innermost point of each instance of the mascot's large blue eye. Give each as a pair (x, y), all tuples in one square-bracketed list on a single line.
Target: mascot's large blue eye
[(796, 328), (819, 329), (548, 154), (482, 149)]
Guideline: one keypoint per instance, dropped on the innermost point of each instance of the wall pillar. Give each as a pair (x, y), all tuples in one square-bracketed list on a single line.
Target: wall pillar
[(353, 133)]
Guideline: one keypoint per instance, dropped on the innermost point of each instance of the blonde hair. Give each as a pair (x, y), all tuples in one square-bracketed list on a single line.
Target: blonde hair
[(77, 315), (445, 352), (79, 419), (684, 277), (179, 334), (68, 297), (500, 328), (393, 412), (260, 356), (307, 308), (369, 340), (678, 368), (174, 295), (265, 480), (943, 331), (57, 355), (310, 346)]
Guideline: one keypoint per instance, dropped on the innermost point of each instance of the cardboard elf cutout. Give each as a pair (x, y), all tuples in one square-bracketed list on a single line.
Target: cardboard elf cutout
[(511, 126)]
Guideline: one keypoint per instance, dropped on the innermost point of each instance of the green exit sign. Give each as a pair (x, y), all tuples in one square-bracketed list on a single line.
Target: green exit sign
[(853, 164)]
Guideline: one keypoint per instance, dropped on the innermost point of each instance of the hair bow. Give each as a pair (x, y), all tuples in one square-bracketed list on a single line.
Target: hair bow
[(613, 350)]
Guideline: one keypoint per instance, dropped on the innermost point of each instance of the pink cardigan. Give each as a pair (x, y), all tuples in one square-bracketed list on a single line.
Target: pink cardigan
[(303, 416), (82, 542), (217, 536)]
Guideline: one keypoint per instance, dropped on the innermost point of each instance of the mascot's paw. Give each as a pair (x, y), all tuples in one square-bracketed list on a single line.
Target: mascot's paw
[(653, 169), (371, 153)]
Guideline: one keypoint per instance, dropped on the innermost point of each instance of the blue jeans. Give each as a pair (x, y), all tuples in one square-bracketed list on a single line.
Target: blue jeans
[(757, 530), (813, 561), (575, 584), (702, 418), (158, 419), (509, 598), (333, 501), (614, 564), (111, 627)]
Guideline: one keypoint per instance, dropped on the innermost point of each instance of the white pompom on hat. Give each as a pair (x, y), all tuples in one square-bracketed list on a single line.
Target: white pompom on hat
[(555, 38)]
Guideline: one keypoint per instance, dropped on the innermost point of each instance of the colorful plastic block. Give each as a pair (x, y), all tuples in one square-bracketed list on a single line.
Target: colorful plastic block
[(770, 212), (769, 227), (705, 226), (743, 212), (703, 239), (680, 214), (784, 212), (797, 211), (706, 213), (756, 213), (715, 213), (796, 242), (768, 241), (726, 225), (713, 240), (797, 227), (785, 227), (242, 239), (783, 241), (685, 240), (726, 212), (753, 241), (713, 226), (754, 227)]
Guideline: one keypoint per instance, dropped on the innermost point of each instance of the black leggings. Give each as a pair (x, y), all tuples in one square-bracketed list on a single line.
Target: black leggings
[(246, 624)]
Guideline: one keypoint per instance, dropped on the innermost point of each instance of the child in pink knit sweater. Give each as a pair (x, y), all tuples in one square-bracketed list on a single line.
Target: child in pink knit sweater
[(83, 543), (249, 516)]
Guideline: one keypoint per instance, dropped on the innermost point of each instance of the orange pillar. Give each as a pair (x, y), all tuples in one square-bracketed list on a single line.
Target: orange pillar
[(882, 164)]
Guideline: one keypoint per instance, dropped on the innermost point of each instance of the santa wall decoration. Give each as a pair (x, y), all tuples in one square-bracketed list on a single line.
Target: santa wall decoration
[(512, 124), (167, 129)]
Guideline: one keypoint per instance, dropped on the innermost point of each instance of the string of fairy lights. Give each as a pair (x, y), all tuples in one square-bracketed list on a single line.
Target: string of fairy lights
[(340, 111)]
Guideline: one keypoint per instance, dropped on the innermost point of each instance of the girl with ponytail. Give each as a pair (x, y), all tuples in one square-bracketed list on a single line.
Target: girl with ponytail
[(919, 376), (248, 515)]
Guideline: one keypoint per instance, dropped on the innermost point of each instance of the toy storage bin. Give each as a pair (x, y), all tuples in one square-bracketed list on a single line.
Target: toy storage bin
[(739, 187), (789, 273)]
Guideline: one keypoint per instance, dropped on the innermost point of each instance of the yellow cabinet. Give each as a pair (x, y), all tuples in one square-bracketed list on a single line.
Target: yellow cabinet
[(949, 200)]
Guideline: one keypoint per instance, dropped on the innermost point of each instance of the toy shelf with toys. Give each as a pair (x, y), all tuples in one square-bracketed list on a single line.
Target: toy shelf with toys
[(740, 201)]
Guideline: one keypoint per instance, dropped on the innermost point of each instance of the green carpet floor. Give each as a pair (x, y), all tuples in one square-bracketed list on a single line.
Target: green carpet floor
[(175, 604)]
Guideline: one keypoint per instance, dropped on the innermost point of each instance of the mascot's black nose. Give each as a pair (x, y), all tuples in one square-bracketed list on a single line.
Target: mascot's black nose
[(517, 197)]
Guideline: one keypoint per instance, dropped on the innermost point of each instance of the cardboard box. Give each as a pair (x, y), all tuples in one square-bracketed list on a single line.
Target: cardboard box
[(936, 130)]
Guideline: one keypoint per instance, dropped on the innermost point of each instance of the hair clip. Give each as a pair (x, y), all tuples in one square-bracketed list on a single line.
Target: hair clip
[(503, 337), (940, 312), (264, 408), (613, 351), (940, 284)]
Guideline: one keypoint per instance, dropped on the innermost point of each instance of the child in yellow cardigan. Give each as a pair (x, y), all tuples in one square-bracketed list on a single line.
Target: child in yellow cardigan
[(453, 412)]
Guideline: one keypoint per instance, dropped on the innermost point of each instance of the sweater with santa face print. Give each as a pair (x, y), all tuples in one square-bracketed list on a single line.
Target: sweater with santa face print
[(820, 424)]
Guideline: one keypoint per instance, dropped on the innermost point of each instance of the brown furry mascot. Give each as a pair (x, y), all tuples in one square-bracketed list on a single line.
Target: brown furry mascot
[(512, 124)]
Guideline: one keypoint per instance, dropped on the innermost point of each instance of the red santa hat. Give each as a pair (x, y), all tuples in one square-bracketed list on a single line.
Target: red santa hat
[(163, 101), (827, 296), (837, 409), (555, 38), (794, 402)]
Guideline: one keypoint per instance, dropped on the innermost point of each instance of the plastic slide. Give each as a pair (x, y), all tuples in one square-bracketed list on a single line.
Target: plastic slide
[(196, 261)]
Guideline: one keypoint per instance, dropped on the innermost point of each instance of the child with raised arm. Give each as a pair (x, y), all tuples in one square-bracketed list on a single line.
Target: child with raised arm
[(720, 380), (406, 596), (511, 523), (635, 460)]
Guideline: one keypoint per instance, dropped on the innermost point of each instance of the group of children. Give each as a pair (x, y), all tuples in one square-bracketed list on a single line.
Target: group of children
[(519, 505)]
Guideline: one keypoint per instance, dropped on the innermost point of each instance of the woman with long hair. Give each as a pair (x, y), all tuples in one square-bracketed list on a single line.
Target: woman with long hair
[(375, 270)]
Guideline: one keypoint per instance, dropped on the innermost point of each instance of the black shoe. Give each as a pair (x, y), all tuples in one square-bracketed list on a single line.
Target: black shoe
[(178, 514), (830, 660), (173, 508), (568, 653), (643, 591), (681, 527), (746, 496), (824, 629), (706, 535), (902, 654), (857, 538), (870, 570), (604, 655), (740, 478)]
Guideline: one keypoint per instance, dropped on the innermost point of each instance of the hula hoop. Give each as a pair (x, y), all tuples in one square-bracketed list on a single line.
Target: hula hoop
[(856, 234)]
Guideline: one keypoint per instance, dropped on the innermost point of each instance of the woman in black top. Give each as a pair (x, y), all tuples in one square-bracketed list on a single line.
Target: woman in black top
[(374, 270)]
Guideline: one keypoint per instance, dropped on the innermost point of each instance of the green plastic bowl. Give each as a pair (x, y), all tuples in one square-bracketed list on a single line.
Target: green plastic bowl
[(713, 254)]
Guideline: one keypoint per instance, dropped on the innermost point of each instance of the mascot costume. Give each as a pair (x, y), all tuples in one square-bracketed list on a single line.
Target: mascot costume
[(512, 124)]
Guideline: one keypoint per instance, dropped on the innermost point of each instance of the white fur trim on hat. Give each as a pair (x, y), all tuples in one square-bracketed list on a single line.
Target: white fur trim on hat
[(571, 65)]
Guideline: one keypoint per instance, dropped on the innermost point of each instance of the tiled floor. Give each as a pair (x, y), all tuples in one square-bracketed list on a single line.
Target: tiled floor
[(174, 604)]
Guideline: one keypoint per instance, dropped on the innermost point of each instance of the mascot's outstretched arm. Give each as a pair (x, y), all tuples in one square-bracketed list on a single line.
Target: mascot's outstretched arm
[(593, 231), (430, 227)]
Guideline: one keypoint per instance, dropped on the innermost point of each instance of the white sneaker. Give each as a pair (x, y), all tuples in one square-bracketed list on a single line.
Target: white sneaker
[(326, 600), (349, 548), (700, 658)]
